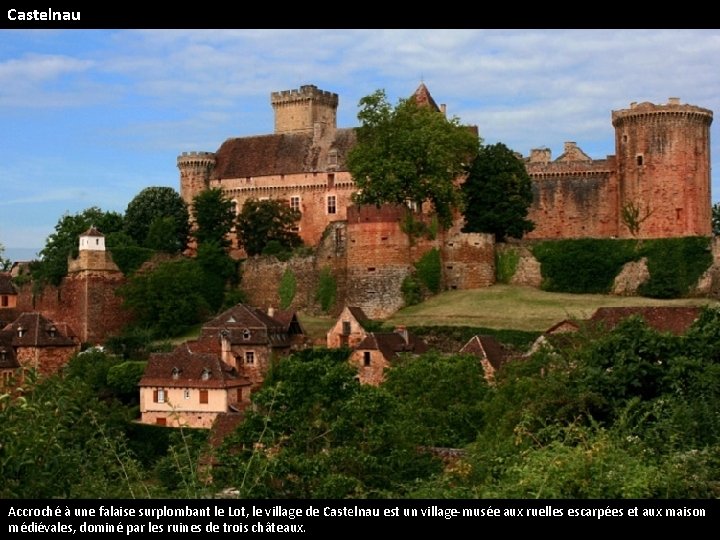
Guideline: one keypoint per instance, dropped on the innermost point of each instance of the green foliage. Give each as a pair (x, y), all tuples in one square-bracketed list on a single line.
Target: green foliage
[(219, 272), (169, 299), (506, 262), (4, 263), (275, 249), (287, 288), (633, 217), (63, 243), (440, 397), (498, 194), (326, 289), (716, 218), (261, 222), (411, 290), (582, 266), (134, 343), (409, 153), (148, 209), (214, 216), (126, 253), (675, 265), (452, 338), (91, 367), (591, 265), (429, 270), (60, 441), (314, 431), (123, 379)]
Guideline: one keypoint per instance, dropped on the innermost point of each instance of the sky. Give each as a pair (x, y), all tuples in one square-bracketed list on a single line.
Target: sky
[(92, 117)]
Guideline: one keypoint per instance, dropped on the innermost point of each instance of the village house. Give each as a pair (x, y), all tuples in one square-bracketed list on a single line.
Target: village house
[(249, 338), (348, 330), (187, 388), (491, 353), (10, 370), (40, 343), (377, 351)]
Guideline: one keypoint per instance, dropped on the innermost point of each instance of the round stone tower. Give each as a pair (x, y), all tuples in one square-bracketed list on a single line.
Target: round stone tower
[(196, 168), (663, 157)]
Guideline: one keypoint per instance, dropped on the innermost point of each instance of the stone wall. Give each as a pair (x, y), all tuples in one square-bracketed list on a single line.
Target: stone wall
[(45, 360)]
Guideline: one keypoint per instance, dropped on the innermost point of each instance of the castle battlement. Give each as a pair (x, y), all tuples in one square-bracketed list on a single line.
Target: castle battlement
[(305, 92), (646, 111), (196, 158)]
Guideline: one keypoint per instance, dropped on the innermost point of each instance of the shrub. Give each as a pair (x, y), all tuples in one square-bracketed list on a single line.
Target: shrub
[(327, 289), (287, 288), (506, 262), (429, 270)]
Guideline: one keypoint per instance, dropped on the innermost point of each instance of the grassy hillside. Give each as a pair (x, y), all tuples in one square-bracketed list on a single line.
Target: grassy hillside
[(519, 308)]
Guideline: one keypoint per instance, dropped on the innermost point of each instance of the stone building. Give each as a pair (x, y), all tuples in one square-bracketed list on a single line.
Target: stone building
[(660, 172)]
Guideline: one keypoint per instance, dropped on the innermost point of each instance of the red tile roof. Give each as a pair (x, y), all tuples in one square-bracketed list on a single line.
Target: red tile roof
[(422, 97), (487, 347), (6, 285), (676, 320), (39, 331), (92, 231), (183, 368), (392, 343), (248, 325), (284, 153)]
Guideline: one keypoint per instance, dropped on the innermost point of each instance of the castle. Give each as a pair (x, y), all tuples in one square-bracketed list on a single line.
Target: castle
[(659, 176)]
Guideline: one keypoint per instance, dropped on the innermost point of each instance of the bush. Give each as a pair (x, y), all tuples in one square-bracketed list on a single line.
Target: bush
[(327, 289), (411, 290), (506, 262), (675, 265), (429, 270), (287, 288)]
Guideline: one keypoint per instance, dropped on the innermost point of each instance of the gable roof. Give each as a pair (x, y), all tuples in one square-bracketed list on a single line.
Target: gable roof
[(486, 347), (289, 320), (674, 319), (422, 97), (38, 331), (263, 329), (390, 344), (566, 325), (282, 153), (188, 367), (6, 284), (92, 231), (358, 313)]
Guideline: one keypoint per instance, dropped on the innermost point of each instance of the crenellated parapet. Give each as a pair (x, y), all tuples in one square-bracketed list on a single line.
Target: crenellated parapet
[(196, 169), (672, 110), (304, 93)]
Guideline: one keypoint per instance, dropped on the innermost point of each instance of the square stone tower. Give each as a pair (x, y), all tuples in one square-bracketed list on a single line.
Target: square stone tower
[(306, 110)]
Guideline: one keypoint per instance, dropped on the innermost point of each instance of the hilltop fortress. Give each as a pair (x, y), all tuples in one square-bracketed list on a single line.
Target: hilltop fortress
[(660, 174)]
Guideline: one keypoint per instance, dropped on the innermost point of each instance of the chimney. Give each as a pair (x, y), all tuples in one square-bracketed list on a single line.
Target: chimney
[(402, 330), (443, 109), (271, 312)]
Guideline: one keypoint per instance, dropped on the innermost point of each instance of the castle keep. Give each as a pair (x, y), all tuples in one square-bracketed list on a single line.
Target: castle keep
[(660, 172)]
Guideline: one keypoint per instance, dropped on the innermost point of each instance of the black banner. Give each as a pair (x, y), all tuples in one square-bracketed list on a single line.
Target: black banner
[(321, 517)]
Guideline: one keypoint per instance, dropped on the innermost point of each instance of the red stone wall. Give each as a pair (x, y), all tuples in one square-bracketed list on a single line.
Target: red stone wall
[(374, 373), (46, 360), (663, 154), (468, 260), (88, 304)]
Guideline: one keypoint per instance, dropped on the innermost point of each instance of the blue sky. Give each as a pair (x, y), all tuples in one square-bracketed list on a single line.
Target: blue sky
[(91, 117)]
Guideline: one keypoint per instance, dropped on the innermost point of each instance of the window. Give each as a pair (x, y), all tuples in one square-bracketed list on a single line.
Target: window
[(203, 396), (246, 334), (205, 374), (295, 203), (161, 421), (331, 204), (239, 395), (331, 181), (159, 395), (4, 301), (175, 373), (366, 358), (346, 328), (332, 157), (249, 357), (97, 241), (186, 394), (639, 161)]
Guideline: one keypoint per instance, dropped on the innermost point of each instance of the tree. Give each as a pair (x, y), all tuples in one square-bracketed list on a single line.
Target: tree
[(64, 241), (4, 263), (498, 193), (154, 203), (169, 298), (716, 219), (261, 222), (409, 153), (214, 216)]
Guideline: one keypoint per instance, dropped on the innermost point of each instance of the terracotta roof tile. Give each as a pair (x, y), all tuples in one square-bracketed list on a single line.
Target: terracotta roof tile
[(422, 97), (6, 285), (183, 368), (284, 153), (487, 347), (390, 344), (39, 331), (676, 320)]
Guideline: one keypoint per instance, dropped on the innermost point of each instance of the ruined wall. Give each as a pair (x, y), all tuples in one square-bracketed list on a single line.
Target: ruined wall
[(468, 259), (574, 200)]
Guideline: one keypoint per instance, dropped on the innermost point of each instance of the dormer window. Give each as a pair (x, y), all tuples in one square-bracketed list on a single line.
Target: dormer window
[(176, 373), (3, 354), (20, 331), (52, 331), (246, 334), (205, 374)]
